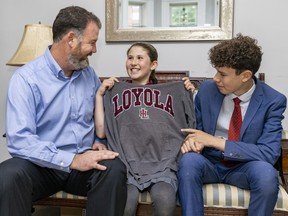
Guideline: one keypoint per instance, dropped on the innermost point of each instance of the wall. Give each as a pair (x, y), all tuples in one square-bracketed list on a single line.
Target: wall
[(264, 20)]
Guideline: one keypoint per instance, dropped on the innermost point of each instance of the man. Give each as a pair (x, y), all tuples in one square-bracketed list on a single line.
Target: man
[(50, 126), (212, 154)]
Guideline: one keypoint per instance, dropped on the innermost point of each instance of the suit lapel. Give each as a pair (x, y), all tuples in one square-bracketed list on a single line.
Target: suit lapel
[(218, 98), (255, 102)]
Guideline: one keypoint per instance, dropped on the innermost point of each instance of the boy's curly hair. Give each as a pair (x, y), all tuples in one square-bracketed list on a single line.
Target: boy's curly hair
[(240, 53)]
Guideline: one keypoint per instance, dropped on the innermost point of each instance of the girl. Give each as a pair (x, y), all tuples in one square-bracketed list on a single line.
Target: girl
[(142, 60)]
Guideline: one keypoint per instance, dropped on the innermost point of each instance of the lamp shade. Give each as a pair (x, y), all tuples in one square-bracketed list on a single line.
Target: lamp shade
[(35, 40)]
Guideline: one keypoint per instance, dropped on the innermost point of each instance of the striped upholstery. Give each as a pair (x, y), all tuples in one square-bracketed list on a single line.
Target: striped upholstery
[(62, 194), (223, 195), (215, 195)]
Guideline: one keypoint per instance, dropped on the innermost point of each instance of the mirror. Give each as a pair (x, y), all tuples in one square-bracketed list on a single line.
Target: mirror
[(168, 20)]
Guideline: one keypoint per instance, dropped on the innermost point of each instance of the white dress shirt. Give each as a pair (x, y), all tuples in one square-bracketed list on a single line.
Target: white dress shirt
[(227, 110)]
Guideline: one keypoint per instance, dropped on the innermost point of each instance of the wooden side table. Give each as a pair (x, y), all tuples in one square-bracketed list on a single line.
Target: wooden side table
[(285, 158)]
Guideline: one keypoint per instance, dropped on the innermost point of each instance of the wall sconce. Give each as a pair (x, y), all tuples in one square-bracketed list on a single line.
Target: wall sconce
[(35, 40)]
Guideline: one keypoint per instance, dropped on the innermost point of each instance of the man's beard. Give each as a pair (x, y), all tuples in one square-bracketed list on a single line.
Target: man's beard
[(78, 64)]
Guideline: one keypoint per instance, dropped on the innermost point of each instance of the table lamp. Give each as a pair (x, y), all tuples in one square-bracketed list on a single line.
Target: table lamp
[(35, 40)]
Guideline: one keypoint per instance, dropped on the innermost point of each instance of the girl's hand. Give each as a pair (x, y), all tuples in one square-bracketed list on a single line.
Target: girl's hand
[(99, 146), (188, 84), (107, 84)]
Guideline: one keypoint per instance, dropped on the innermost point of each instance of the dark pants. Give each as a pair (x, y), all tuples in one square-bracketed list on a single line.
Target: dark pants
[(22, 182), (259, 177)]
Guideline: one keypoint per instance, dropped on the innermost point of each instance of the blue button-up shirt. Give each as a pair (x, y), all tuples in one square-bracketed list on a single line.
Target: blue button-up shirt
[(49, 117)]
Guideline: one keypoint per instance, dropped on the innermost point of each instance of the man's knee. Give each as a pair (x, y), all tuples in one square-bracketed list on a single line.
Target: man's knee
[(12, 169), (190, 164), (264, 178), (115, 166), (264, 172), (115, 171), (13, 174), (191, 158)]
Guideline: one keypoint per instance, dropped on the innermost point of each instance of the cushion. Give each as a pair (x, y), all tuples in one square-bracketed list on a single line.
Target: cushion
[(215, 195)]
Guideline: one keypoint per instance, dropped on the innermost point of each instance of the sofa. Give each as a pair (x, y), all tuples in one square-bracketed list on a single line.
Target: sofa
[(219, 199)]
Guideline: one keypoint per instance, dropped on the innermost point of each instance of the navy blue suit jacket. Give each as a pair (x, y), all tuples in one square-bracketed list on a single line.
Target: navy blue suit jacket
[(261, 129)]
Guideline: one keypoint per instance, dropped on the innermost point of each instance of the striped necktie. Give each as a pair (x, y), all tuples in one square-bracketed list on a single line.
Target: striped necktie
[(235, 122)]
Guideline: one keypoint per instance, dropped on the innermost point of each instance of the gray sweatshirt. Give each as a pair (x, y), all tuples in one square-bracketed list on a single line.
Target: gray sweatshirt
[(142, 123)]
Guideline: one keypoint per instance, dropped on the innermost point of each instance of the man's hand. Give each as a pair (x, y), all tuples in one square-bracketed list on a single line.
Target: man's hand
[(198, 139), (89, 159), (190, 144)]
